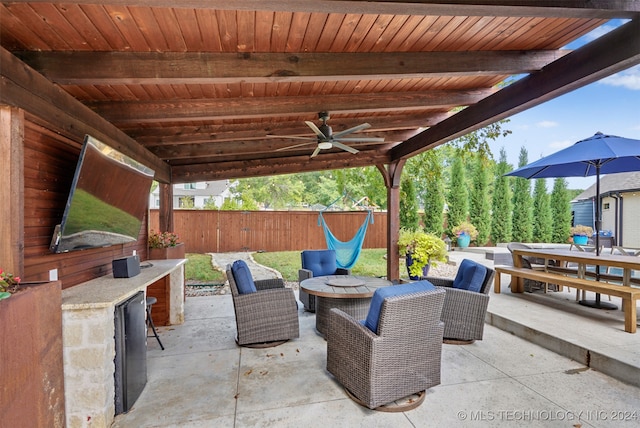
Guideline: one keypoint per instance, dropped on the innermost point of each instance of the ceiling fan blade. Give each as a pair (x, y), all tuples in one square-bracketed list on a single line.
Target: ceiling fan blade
[(362, 140), (350, 130), (316, 130), (294, 146), (343, 147), (315, 152)]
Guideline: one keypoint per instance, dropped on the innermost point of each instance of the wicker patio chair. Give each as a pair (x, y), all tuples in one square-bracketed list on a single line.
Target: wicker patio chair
[(266, 317), (401, 359), (317, 263), (464, 310)]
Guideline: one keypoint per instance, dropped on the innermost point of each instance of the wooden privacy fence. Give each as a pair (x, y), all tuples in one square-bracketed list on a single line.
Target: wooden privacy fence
[(210, 231)]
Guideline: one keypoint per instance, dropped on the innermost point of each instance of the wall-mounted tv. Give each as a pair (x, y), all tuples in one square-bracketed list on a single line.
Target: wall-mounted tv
[(108, 200)]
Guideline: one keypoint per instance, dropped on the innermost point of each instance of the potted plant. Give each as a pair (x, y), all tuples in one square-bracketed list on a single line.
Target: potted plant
[(465, 232), (9, 284), (421, 250), (581, 234), (165, 245)]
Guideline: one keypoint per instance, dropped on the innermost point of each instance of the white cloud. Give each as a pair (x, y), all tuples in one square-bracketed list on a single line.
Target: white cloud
[(557, 145), (547, 124), (629, 79)]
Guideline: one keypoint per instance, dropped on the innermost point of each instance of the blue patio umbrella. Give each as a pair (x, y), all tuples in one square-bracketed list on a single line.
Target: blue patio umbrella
[(599, 154)]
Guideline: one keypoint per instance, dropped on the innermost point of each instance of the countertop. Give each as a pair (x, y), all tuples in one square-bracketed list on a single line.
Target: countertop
[(107, 291)]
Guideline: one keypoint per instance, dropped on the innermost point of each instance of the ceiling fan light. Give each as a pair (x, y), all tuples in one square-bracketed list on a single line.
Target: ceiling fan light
[(324, 145)]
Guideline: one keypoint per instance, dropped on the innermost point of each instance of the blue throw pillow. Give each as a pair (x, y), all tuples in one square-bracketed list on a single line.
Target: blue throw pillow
[(320, 262), (242, 275), (393, 290), (470, 276)]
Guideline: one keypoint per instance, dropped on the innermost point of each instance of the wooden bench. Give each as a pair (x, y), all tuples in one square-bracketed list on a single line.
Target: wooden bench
[(629, 295)]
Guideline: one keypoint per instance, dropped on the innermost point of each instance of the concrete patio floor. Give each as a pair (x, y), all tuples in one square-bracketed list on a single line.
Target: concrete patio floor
[(203, 379)]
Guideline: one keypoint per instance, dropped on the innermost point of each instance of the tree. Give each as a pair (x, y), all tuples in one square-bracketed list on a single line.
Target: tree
[(522, 214), (278, 191), (458, 197), (480, 199), (409, 218), (210, 204), (427, 170), (502, 203), (478, 141), (360, 182), (560, 211), (319, 187), (187, 202), (542, 209)]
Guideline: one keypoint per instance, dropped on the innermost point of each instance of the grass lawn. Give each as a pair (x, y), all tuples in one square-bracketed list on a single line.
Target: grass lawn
[(199, 269), (372, 262)]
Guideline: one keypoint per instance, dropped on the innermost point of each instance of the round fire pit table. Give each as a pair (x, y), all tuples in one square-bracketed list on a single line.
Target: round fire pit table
[(349, 293)]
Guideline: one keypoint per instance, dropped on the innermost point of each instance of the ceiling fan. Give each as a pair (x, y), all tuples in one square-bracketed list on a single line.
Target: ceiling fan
[(325, 139)]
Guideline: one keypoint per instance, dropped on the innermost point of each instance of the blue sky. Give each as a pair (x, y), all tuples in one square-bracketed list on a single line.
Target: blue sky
[(610, 106)]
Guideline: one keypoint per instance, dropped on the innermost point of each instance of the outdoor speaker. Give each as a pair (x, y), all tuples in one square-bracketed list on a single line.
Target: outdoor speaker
[(126, 267)]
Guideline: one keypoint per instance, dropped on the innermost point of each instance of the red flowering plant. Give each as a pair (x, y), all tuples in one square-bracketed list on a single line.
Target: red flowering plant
[(8, 284), (162, 240)]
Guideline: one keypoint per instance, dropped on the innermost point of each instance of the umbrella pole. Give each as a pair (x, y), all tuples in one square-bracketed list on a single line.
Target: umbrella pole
[(598, 304)]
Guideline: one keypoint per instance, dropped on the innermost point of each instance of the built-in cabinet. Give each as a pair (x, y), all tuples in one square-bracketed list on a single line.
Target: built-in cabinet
[(88, 331)]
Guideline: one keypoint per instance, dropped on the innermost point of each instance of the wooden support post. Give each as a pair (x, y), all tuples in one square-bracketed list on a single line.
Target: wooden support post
[(165, 213), (391, 175), (12, 189)]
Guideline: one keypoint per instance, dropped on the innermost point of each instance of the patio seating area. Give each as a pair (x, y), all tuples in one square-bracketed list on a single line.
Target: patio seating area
[(510, 378)]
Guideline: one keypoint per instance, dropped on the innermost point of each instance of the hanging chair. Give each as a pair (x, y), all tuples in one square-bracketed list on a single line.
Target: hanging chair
[(347, 253)]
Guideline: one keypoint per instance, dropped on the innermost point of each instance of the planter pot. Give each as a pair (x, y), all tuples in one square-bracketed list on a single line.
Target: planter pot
[(176, 252), (580, 239), (464, 240), (32, 370), (409, 262)]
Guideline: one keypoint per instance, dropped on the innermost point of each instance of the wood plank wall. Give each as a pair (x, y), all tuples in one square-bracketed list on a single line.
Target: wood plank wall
[(49, 166), (205, 231)]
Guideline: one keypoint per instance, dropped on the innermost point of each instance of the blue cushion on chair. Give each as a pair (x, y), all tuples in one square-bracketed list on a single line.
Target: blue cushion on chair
[(242, 275), (470, 276), (393, 290), (320, 262)]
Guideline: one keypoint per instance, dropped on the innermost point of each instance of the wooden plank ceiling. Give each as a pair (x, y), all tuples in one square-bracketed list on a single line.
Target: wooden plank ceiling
[(222, 89)]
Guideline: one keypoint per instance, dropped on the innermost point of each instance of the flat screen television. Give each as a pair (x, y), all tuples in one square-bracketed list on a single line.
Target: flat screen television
[(107, 202)]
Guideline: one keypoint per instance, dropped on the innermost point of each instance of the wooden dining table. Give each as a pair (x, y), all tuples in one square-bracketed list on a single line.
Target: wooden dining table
[(582, 259)]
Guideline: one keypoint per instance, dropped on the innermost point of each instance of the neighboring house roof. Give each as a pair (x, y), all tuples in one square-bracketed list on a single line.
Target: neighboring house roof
[(212, 188), (612, 183)]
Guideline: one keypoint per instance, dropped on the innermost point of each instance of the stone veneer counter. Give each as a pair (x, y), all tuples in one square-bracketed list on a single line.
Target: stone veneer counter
[(108, 291), (88, 330)]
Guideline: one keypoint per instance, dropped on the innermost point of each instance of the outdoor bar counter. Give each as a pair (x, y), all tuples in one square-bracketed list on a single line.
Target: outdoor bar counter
[(88, 330)]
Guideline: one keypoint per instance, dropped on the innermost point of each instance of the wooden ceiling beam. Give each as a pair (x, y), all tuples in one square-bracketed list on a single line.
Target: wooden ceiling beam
[(188, 134), (170, 68), (274, 166), (611, 53), (253, 147), (23, 87), (246, 108), (606, 9)]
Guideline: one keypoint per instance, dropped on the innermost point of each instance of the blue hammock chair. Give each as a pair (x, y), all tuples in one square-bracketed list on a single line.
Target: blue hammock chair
[(347, 253)]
